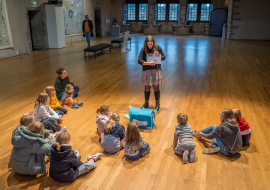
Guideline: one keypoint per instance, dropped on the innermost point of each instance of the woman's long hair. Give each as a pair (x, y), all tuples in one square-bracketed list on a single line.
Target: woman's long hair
[(149, 39), (228, 116), (133, 136)]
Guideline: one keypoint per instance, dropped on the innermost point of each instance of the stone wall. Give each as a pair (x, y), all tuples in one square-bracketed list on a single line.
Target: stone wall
[(248, 19)]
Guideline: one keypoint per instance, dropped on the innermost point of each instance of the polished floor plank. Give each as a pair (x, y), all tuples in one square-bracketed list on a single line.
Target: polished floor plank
[(202, 75)]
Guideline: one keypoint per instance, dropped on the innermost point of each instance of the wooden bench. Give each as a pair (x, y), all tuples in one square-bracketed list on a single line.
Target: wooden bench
[(120, 40), (98, 47)]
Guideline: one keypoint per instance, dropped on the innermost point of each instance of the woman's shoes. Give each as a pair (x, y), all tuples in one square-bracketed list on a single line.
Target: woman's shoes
[(157, 106), (146, 104)]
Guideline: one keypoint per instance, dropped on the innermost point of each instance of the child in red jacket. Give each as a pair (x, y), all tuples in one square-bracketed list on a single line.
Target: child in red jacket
[(243, 125)]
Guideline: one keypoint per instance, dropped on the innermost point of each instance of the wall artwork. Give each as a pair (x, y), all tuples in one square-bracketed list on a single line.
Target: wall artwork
[(73, 16), (5, 33)]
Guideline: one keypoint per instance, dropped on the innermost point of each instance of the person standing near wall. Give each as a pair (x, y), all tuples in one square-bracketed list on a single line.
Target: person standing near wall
[(87, 27)]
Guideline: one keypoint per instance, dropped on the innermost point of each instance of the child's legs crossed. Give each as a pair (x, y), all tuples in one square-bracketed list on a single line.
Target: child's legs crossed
[(63, 110), (86, 167), (51, 119), (246, 139)]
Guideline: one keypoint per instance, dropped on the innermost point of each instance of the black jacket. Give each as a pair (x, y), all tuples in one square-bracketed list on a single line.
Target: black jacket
[(64, 164), (90, 26), (142, 58)]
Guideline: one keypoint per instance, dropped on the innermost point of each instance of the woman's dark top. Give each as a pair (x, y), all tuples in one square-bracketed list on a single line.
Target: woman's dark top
[(142, 58)]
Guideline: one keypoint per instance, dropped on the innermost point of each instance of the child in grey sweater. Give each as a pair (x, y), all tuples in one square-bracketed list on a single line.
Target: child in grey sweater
[(186, 144)]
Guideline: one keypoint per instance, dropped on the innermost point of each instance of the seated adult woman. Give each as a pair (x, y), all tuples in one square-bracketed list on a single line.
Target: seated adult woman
[(61, 83), (225, 137), (29, 148)]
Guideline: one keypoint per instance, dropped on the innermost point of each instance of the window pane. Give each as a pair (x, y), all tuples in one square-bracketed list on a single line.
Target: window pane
[(161, 11), (131, 11), (143, 11), (173, 12), (192, 12), (205, 11)]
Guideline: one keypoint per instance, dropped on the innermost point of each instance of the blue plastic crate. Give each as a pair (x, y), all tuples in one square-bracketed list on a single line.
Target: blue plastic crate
[(145, 117)]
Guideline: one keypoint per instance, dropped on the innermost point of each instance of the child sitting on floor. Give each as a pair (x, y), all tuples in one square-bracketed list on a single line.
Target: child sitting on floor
[(102, 119), (30, 145), (134, 145), (68, 97), (114, 135), (54, 103), (186, 144), (65, 165), (243, 126), (43, 111)]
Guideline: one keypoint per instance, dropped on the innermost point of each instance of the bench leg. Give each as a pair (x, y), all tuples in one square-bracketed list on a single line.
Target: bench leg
[(111, 49), (84, 55), (95, 55)]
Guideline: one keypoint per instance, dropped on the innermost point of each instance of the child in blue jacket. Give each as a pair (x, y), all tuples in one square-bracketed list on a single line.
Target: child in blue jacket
[(65, 164), (114, 134)]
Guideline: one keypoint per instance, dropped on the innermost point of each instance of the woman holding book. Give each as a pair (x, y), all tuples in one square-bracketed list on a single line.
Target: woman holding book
[(151, 71)]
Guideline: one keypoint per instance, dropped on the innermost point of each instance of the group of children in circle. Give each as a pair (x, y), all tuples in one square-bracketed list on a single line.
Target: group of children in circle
[(32, 142)]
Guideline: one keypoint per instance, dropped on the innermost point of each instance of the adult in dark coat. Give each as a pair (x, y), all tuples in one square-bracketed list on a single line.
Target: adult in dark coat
[(87, 28)]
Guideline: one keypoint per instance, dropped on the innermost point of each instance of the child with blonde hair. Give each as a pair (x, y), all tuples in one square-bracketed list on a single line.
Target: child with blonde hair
[(134, 145), (184, 134), (114, 134), (102, 119), (68, 97), (30, 145), (43, 111), (54, 103), (65, 164), (243, 126)]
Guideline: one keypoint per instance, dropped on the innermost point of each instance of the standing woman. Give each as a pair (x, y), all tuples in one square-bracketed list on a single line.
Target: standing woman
[(61, 83), (151, 72)]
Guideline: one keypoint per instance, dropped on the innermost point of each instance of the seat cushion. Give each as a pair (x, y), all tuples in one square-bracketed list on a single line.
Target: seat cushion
[(119, 40), (97, 47)]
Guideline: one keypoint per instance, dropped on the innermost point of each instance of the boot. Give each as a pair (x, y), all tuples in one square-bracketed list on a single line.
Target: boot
[(157, 97), (146, 95)]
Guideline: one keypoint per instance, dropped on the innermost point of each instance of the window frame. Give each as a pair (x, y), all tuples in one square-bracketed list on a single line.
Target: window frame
[(167, 13), (199, 9), (137, 14)]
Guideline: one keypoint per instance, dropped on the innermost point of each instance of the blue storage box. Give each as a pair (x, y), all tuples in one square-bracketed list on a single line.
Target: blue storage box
[(145, 117)]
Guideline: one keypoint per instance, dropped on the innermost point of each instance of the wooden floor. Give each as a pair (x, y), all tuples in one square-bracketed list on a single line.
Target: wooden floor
[(202, 75)]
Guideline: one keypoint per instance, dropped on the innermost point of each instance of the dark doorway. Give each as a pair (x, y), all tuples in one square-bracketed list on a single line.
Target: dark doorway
[(36, 29), (98, 22)]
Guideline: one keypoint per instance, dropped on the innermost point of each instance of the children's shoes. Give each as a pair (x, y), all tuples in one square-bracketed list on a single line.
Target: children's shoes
[(94, 157), (77, 153), (74, 105)]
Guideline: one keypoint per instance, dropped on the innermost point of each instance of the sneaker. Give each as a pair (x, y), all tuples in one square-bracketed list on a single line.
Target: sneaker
[(210, 150), (79, 104), (146, 152), (77, 153), (192, 156), (74, 105), (95, 157), (63, 129), (195, 132), (185, 156), (60, 115)]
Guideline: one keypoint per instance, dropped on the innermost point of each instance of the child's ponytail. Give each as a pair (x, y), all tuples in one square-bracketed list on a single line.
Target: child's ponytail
[(102, 109), (62, 138), (58, 146)]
